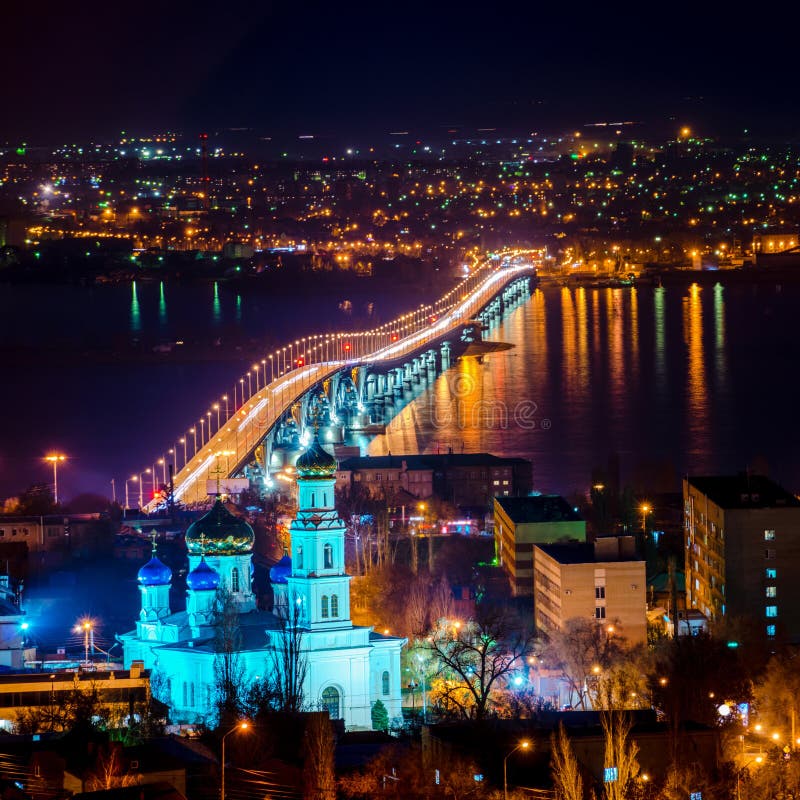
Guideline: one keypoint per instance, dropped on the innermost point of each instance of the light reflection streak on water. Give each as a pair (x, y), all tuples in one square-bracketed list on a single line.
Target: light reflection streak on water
[(136, 315)]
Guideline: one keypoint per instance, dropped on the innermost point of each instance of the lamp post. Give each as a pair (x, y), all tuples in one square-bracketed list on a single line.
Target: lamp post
[(424, 692), (227, 412), (756, 760), (193, 431), (127, 501), (521, 746), (54, 459), (645, 509), (216, 408), (239, 726)]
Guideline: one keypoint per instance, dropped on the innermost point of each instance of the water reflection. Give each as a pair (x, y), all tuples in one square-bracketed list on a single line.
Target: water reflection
[(216, 308), (719, 333), (136, 315), (162, 305), (660, 346), (696, 386), (595, 365)]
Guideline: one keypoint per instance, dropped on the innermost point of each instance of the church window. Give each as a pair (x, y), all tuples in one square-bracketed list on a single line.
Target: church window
[(324, 606), (327, 557), (334, 605), (235, 579), (299, 556), (330, 702), (191, 695), (185, 694), (385, 682)]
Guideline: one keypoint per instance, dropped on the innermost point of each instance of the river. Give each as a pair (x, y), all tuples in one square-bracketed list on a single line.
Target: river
[(673, 380)]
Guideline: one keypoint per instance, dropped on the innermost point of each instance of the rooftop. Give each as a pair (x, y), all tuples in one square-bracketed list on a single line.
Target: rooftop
[(744, 491), (429, 462), (582, 553), (538, 508)]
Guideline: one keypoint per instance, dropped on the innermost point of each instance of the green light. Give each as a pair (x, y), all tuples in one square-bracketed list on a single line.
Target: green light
[(733, 645), (20, 151)]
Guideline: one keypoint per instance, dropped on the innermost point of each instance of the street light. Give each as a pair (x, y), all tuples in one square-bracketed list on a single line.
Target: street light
[(645, 509), (54, 459), (127, 501), (239, 726), (521, 746), (756, 760)]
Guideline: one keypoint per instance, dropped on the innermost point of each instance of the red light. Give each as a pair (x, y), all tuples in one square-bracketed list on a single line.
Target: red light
[(347, 346), (394, 337), (156, 494), (300, 362)]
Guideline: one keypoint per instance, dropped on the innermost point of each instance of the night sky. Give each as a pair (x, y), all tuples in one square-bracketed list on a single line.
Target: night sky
[(91, 69)]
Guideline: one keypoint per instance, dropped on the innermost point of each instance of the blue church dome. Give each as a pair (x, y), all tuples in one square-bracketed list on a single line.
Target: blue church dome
[(202, 577), (281, 572), (155, 573)]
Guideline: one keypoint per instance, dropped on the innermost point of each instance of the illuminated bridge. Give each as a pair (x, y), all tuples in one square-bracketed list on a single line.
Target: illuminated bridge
[(343, 383)]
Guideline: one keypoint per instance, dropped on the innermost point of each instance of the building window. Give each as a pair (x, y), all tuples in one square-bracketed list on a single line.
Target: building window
[(772, 591), (770, 630), (235, 579), (769, 555), (191, 695), (185, 694), (496, 483), (330, 702), (600, 612), (327, 557), (599, 592), (385, 682), (334, 605), (378, 477), (772, 611), (769, 536), (299, 556), (772, 573), (324, 606), (313, 500)]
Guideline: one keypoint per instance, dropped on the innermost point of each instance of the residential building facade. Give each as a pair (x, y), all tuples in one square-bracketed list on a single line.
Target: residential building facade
[(743, 551), (463, 479), (603, 580), (521, 522)]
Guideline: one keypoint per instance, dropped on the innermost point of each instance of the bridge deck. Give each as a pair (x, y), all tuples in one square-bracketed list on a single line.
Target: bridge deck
[(233, 444)]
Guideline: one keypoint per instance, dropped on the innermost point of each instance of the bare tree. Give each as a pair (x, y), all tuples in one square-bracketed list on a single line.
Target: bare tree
[(318, 772), (418, 606), (228, 668), (109, 771), (441, 601), (567, 778), (473, 659), (620, 754), (584, 652), (287, 660)]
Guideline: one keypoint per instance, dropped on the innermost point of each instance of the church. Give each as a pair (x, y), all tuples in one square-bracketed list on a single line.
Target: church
[(349, 667)]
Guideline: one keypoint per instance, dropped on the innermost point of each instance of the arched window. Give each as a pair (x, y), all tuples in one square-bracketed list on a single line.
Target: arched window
[(327, 557), (299, 556), (385, 682), (330, 702), (334, 605), (325, 606), (235, 579)]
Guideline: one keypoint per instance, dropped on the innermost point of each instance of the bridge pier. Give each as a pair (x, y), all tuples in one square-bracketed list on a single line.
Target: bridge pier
[(445, 350)]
